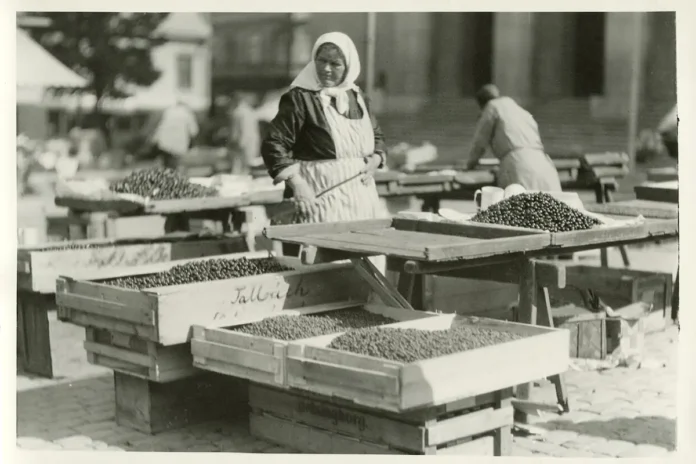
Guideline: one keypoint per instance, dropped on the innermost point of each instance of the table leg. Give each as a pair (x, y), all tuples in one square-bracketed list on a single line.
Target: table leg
[(431, 204), (608, 198), (545, 319), (527, 314), (412, 288)]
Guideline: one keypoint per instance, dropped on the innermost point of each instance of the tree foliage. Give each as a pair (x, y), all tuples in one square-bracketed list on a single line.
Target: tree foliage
[(111, 50)]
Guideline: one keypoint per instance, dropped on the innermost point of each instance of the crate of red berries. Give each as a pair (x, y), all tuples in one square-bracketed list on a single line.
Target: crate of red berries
[(160, 303), (426, 362), (257, 351)]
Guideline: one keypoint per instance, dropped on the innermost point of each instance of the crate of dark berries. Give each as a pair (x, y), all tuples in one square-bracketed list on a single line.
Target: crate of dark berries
[(567, 225), (257, 351), (146, 191), (160, 303), (38, 266), (426, 362)]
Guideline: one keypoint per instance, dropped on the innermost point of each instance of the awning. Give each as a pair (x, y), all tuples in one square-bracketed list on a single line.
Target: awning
[(37, 70)]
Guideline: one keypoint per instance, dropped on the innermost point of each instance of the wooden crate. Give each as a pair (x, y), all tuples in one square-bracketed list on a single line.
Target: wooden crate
[(102, 225), (588, 331), (477, 426), (33, 335), (151, 407), (468, 296), (394, 386), (658, 191), (39, 266), (165, 315), (262, 359), (617, 287), (139, 358)]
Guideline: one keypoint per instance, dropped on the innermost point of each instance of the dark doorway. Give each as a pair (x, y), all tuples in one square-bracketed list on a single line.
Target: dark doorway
[(482, 68), (589, 54)]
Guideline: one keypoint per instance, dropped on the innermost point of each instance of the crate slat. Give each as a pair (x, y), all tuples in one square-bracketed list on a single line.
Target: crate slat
[(138, 357), (433, 381)]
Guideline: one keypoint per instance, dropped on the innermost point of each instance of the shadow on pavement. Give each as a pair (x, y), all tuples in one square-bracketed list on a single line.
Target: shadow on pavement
[(79, 415), (645, 430)]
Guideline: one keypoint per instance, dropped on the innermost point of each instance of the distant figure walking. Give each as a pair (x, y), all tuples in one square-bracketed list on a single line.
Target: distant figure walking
[(244, 144), (513, 136), (174, 134)]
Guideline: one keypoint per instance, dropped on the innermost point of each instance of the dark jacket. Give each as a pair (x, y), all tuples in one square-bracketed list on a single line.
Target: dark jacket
[(300, 131)]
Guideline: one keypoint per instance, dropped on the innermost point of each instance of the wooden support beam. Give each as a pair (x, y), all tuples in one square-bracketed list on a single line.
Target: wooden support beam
[(313, 255), (504, 273), (389, 295)]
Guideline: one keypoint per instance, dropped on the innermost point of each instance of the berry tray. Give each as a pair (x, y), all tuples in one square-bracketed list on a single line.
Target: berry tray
[(38, 266), (262, 359), (413, 239), (397, 386), (165, 315)]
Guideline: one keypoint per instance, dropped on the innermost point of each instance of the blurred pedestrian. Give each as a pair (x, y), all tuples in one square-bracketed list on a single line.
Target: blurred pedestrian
[(244, 141), (513, 136), (668, 130), (174, 135)]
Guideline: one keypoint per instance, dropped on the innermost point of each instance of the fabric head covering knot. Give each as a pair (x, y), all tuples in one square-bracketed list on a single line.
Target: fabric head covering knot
[(308, 79)]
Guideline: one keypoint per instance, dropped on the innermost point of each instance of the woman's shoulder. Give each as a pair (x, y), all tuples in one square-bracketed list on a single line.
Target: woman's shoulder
[(298, 93)]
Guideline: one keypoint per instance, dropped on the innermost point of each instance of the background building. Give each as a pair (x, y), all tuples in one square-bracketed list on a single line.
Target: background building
[(573, 70)]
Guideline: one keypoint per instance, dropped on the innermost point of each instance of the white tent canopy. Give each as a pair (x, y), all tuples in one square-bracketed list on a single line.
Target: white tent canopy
[(37, 70)]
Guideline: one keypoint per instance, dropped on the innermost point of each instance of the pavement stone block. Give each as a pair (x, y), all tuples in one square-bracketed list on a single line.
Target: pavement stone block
[(541, 447), (644, 451), (612, 447), (558, 437)]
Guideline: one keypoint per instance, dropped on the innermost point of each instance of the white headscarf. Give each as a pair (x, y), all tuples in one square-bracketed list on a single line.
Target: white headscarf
[(308, 79)]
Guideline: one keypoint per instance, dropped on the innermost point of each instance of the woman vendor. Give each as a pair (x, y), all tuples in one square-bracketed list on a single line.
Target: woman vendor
[(322, 135), (513, 136)]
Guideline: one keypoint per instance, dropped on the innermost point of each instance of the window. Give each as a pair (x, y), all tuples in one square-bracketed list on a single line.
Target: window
[(184, 67)]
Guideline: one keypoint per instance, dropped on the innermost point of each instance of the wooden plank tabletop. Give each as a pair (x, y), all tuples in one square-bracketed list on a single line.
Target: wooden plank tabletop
[(430, 242), (645, 208)]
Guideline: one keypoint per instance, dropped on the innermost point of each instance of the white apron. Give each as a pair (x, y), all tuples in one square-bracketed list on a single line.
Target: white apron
[(354, 139)]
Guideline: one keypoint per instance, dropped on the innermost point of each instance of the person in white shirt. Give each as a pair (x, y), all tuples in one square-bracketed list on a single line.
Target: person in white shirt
[(175, 133), (512, 135), (244, 143)]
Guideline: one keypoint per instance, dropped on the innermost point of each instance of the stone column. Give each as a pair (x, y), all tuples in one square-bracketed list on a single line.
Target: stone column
[(409, 64), (621, 32), (513, 47), (553, 55)]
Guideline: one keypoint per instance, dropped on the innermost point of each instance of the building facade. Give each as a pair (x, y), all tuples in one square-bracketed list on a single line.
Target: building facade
[(427, 57)]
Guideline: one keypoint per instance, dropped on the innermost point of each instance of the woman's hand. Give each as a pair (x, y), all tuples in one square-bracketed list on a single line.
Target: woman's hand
[(301, 191), (372, 163)]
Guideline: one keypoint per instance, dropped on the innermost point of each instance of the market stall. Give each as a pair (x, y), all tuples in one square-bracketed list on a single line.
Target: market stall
[(474, 251), (156, 201), (38, 267)]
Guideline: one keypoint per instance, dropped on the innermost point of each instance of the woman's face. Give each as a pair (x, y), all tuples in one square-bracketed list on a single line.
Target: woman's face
[(331, 65)]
